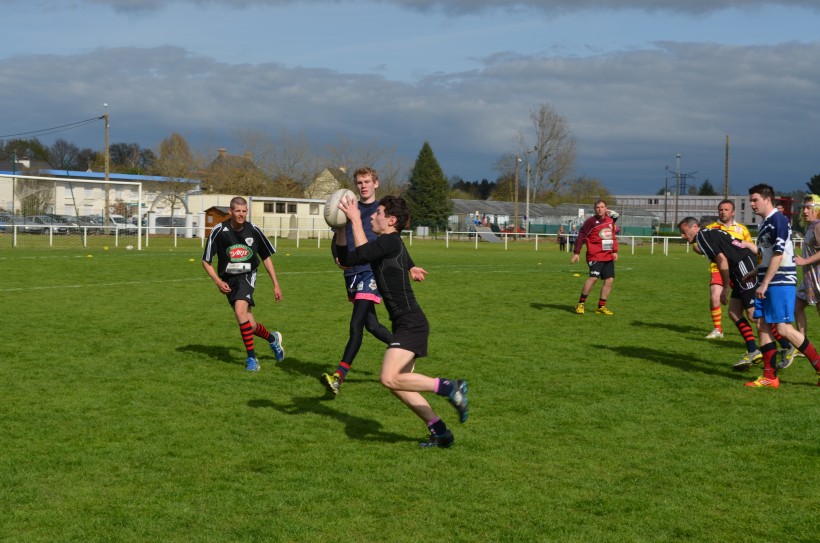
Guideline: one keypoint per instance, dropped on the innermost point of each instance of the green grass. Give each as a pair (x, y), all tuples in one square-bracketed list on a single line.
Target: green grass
[(127, 414)]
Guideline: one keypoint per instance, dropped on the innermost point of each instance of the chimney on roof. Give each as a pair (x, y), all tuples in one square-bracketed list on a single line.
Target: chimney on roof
[(221, 152)]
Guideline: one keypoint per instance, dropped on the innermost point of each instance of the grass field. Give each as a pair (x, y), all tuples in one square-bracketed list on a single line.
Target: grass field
[(127, 414)]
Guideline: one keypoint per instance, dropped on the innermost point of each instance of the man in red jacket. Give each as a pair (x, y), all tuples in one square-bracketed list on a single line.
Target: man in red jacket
[(598, 233)]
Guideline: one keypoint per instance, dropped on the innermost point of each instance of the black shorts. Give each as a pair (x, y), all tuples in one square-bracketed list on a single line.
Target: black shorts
[(601, 269), (410, 332), (747, 297), (242, 287)]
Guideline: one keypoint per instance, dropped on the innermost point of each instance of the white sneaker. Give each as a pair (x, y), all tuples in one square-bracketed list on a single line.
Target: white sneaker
[(715, 334)]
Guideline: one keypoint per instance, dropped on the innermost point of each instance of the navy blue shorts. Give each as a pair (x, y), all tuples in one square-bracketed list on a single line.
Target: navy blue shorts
[(362, 286)]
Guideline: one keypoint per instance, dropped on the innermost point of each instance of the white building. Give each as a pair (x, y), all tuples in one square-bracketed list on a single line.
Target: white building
[(671, 211)]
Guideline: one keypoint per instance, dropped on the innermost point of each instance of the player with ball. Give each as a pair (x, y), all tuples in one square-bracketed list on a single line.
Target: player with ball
[(391, 265)]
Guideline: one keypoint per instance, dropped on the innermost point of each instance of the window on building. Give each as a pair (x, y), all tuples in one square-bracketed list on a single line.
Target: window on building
[(268, 207), (314, 209), (291, 208), (280, 207)]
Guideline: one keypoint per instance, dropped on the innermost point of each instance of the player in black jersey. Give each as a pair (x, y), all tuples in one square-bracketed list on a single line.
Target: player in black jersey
[(391, 264), (239, 247), (737, 265)]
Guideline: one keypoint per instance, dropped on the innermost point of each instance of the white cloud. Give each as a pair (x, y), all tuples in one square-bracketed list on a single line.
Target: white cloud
[(631, 111)]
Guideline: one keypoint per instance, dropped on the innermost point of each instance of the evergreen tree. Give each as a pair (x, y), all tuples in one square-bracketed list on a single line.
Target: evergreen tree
[(429, 193), (706, 189), (814, 184)]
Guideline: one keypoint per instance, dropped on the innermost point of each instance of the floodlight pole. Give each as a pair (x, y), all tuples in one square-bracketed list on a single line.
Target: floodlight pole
[(527, 207), (677, 184), (106, 212), (666, 197), (13, 181), (515, 220)]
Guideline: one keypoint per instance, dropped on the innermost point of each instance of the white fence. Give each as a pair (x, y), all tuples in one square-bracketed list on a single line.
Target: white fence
[(16, 235)]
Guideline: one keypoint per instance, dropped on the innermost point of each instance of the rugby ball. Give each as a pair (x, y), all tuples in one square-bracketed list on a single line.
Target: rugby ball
[(335, 217)]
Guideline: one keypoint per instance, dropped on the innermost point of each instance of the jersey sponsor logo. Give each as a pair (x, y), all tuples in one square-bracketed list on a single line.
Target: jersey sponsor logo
[(606, 233), (239, 253), (765, 240)]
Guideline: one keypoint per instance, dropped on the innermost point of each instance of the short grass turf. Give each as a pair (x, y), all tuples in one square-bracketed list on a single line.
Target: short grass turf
[(127, 414)]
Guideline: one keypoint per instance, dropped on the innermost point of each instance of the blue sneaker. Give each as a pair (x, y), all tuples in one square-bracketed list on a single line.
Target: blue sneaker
[(253, 364), (276, 346), (458, 399)]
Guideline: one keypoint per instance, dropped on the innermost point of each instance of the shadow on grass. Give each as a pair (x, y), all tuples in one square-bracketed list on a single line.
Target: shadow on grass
[(316, 369), (359, 428), (216, 352), (732, 342), (681, 362), (568, 308), (672, 327)]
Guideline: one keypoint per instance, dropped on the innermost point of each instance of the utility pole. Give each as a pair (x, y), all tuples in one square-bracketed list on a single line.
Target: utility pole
[(527, 207), (13, 181), (106, 211), (666, 197), (677, 185), (726, 171), (515, 219)]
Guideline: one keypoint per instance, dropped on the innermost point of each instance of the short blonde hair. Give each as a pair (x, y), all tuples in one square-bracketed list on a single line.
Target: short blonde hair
[(814, 201)]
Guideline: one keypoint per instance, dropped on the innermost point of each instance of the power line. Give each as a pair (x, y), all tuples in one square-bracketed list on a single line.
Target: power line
[(54, 129)]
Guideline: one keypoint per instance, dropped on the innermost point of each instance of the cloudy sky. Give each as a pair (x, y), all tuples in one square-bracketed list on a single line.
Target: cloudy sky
[(638, 81)]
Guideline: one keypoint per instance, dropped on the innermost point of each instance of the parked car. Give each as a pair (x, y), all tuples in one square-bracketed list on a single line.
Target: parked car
[(49, 223), (167, 225), (29, 225), (6, 221), (116, 223), (69, 221)]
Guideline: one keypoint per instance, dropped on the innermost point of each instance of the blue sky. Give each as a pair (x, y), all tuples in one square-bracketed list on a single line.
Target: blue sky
[(636, 82)]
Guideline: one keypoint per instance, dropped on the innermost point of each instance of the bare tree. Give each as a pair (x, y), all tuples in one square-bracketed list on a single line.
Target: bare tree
[(288, 158), (393, 172), (35, 198), (584, 190), (64, 155), (176, 164), (553, 152), (505, 183)]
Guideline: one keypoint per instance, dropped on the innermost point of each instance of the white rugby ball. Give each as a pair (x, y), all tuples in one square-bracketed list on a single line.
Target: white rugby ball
[(335, 217)]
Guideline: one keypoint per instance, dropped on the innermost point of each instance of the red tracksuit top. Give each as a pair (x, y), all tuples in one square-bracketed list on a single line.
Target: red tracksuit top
[(599, 235)]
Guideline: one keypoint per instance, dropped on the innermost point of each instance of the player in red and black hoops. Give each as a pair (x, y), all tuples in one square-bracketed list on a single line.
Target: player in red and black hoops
[(239, 246), (598, 232)]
